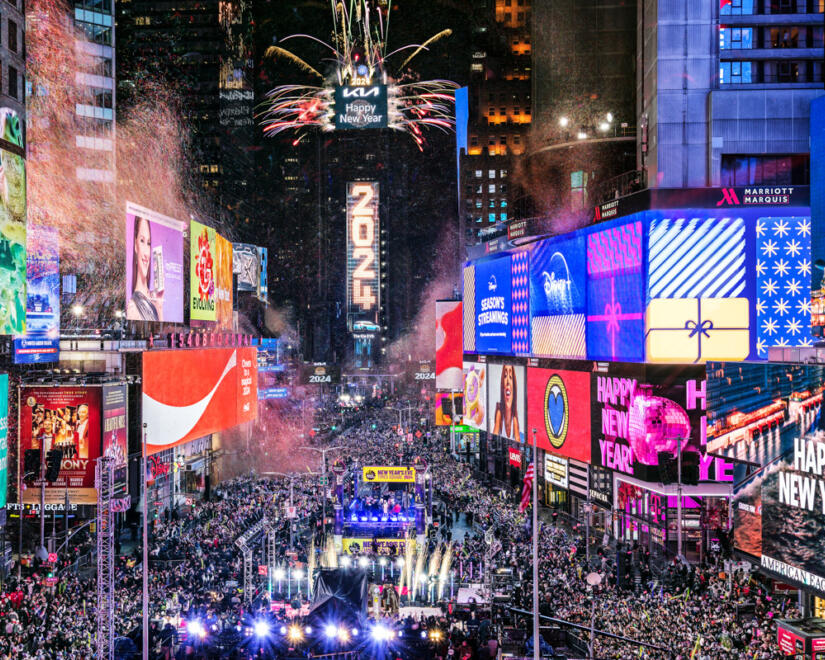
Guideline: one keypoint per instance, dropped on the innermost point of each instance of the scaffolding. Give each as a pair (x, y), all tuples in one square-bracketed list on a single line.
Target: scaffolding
[(247, 546), (104, 481)]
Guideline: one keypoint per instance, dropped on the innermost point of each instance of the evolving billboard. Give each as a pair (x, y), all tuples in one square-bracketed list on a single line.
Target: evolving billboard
[(448, 320), (361, 106), (12, 225), (188, 394), (202, 266), (558, 408), (245, 265), (154, 266), (507, 416), (65, 418), (475, 395), (363, 250), (223, 284), (41, 343)]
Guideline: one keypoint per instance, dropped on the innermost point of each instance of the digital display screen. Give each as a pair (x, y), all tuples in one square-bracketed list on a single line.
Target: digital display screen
[(41, 343), (358, 107), (493, 306), (363, 251), (558, 403), (506, 396)]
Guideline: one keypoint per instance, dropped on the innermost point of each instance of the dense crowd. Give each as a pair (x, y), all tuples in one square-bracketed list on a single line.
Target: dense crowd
[(197, 573)]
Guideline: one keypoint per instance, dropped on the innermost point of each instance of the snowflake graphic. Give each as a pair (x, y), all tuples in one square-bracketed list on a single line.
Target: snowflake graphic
[(770, 327), (782, 343), (781, 228), (781, 267), (781, 307), (792, 247), (793, 287), (761, 306), (804, 227), (760, 267), (770, 248), (806, 342), (803, 267), (760, 346), (770, 287), (804, 306), (760, 228), (793, 326)]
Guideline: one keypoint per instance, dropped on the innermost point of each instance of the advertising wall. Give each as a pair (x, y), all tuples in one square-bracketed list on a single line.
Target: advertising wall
[(188, 394), (223, 283), (558, 405), (448, 322), (475, 395), (41, 343), (66, 418), (12, 225), (115, 444), (507, 415), (202, 264), (4, 444), (638, 411), (363, 250), (245, 265), (154, 266)]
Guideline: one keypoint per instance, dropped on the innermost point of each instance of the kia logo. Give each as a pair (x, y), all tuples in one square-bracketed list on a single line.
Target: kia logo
[(728, 197), (361, 92)]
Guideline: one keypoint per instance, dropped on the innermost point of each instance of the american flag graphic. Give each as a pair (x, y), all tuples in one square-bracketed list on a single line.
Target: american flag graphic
[(527, 489)]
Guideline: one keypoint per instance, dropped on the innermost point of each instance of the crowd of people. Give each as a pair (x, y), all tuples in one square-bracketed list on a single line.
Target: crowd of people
[(197, 575)]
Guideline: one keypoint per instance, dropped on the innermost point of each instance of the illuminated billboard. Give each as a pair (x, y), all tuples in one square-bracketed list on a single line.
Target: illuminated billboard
[(4, 444), (448, 406), (361, 106), (245, 265), (469, 305), (114, 437), (223, 283), (201, 272), (41, 343), (493, 306), (154, 266), (507, 414), (12, 225), (475, 395), (190, 393), (558, 408), (65, 418), (448, 320), (263, 288), (363, 250)]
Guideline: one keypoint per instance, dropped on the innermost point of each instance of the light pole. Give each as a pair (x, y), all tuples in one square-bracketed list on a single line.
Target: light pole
[(324, 475), (536, 646), (20, 480), (594, 580)]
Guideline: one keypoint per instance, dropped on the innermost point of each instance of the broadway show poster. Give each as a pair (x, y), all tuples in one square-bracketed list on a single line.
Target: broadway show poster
[(202, 265), (507, 416), (41, 343), (558, 405), (12, 225), (114, 433), (641, 410), (223, 283), (65, 418), (475, 395), (154, 266)]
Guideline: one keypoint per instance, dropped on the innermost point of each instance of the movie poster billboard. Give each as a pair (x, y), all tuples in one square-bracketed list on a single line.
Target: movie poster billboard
[(113, 410), (65, 418), (448, 319), (640, 410), (154, 266), (202, 263), (475, 395), (506, 390), (4, 444), (245, 265), (12, 225), (558, 408), (41, 343), (188, 394), (223, 284)]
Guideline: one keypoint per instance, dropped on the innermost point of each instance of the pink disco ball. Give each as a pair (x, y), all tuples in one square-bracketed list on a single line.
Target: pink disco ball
[(655, 424)]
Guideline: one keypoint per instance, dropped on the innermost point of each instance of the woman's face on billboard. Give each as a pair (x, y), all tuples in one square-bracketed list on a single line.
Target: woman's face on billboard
[(143, 248), (508, 379)]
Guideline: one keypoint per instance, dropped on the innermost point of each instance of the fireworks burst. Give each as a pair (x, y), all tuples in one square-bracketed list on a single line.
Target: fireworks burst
[(359, 54)]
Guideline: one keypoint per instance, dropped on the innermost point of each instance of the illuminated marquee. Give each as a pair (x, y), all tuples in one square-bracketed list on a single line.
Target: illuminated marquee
[(363, 272)]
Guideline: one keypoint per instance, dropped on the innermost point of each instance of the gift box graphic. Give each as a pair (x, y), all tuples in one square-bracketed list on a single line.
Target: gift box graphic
[(684, 330), (615, 319)]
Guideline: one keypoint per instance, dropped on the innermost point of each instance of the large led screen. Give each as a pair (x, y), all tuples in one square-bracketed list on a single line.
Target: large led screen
[(615, 294), (246, 266), (202, 266), (65, 418), (360, 106), (41, 343), (475, 395), (558, 298), (506, 416), (223, 283), (558, 408), (448, 320), (4, 444), (114, 413), (190, 393), (641, 410), (363, 250), (12, 225), (468, 281), (447, 408), (493, 306), (154, 266)]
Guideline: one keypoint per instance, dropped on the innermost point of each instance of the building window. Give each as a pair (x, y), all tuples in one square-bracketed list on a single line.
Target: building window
[(491, 188), (735, 73), (479, 174), (491, 111), (491, 217), (491, 174), (491, 203), (478, 204), (502, 139), (503, 217), (743, 170), (735, 38), (12, 36), (13, 82), (785, 37), (502, 111), (736, 8)]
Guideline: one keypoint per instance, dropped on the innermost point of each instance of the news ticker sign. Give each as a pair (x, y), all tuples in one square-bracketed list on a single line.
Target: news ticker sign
[(360, 106), (363, 250)]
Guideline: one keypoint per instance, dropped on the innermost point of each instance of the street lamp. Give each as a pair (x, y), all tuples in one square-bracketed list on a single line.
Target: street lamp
[(594, 580)]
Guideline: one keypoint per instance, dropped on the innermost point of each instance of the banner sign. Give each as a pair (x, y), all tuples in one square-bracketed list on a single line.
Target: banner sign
[(41, 343), (514, 456), (387, 547), (380, 473), (202, 265), (556, 470)]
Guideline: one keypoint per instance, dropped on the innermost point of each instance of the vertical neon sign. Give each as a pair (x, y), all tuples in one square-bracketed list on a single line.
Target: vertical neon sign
[(363, 270)]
